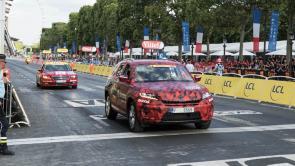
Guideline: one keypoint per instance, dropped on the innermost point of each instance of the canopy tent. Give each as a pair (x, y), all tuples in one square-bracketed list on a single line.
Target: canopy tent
[(221, 53), (171, 53), (136, 53), (245, 53), (195, 54), (280, 52)]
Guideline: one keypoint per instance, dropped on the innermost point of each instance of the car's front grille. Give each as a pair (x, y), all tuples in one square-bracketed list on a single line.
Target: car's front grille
[(60, 77), (194, 102), (173, 117)]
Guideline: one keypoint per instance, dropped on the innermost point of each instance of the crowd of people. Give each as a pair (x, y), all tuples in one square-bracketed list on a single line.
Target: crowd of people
[(274, 65)]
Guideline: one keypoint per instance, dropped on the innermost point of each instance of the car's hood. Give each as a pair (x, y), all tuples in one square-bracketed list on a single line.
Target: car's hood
[(60, 73), (174, 91)]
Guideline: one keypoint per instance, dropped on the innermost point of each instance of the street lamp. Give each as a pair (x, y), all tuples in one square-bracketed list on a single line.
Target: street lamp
[(224, 45)]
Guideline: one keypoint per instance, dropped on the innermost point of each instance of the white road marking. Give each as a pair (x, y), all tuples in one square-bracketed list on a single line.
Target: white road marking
[(290, 140), (98, 137), (236, 112), (85, 103), (242, 161), (100, 87), (99, 119), (85, 88)]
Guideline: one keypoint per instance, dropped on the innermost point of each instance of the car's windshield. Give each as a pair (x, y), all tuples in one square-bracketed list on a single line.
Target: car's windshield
[(57, 68), (157, 73)]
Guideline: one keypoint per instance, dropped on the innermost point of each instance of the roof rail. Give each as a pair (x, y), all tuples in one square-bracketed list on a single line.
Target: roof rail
[(129, 59)]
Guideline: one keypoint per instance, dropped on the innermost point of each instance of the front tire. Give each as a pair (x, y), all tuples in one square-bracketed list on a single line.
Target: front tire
[(74, 87), (109, 111), (203, 124), (134, 124)]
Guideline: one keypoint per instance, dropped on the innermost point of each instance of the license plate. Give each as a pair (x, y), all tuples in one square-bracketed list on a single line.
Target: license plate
[(182, 110), (61, 81)]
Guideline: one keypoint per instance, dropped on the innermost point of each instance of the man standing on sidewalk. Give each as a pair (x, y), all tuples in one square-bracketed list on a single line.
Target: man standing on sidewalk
[(4, 125)]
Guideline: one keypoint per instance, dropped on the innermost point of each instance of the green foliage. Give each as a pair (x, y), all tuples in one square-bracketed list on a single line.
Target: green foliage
[(220, 18)]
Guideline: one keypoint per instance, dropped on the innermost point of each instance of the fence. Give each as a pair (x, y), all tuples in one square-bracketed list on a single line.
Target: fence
[(278, 90), (13, 108)]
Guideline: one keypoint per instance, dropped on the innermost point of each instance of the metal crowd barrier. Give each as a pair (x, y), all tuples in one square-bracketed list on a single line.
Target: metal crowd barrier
[(13, 108)]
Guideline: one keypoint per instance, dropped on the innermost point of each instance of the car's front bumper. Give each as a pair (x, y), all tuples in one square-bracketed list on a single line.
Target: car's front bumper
[(55, 84), (155, 112)]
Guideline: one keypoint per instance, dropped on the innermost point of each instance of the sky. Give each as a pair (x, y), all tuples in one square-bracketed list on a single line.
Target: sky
[(28, 17)]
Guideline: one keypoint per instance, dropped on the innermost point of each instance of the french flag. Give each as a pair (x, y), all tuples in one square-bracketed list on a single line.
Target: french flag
[(199, 41), (256, 29)]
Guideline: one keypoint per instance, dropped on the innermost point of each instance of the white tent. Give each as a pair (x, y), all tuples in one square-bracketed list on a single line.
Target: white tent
[(136, 53), (221, 53), (172, 53), (245, 53), (280, 52), (195, 54)]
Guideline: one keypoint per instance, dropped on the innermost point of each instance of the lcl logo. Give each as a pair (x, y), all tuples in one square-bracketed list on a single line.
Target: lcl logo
[(227, 84), (208, 81), (249, 87), (276, 91)]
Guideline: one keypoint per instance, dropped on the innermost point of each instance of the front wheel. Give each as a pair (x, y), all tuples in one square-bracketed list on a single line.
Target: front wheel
[(203, 124), (134, 124), (74, 87), (109, 111)]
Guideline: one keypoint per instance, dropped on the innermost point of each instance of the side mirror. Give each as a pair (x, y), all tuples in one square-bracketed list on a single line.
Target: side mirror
[(124, 79), (197, 78)]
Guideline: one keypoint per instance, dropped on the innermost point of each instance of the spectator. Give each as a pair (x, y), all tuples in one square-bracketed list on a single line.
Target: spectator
[(189, 66)]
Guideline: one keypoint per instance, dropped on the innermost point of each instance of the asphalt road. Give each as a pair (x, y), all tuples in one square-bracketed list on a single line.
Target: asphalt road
[(69, 128)]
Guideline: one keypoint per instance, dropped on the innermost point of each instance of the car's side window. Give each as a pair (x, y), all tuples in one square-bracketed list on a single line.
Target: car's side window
[(120, 70), (127, 71)]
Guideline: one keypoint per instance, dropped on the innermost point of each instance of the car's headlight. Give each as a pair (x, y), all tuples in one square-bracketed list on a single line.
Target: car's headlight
[(150, 96), (46, 77), (73, 77), (206, 95)]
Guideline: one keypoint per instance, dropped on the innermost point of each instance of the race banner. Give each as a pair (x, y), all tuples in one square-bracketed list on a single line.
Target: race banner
[(146, 33), (199, 41), (274, 28), (65, 45), (118, 42), (97, 45), (127, 45), (74, 47), (185, 36), (256, 29)]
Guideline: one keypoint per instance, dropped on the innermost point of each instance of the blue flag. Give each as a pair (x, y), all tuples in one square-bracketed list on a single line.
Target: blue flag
[(185, 36), (274, 28), (118, 42)]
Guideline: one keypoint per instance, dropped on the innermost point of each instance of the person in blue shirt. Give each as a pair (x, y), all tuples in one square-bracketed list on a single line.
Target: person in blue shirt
[(4, 125)]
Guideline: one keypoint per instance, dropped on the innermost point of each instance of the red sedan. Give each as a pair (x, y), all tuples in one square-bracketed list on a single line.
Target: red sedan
[(54, 74)]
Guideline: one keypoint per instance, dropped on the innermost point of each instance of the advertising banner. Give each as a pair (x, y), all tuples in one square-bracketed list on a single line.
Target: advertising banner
[(185, 36), (274, 28), (118, 42), (251, 89)]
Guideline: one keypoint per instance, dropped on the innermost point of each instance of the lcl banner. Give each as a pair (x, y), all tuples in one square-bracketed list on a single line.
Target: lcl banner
[(185, 36), (274, 28), (256, 29)]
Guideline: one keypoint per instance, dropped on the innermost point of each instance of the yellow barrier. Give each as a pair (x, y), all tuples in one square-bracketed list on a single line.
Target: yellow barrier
[(278, 92), (251, 88)]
